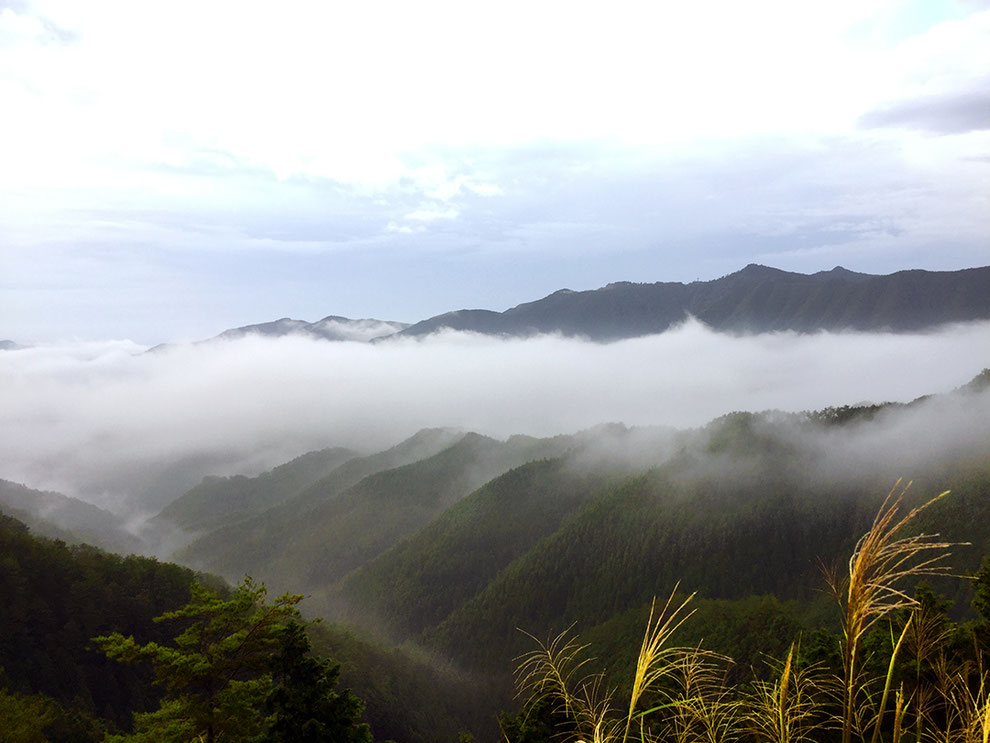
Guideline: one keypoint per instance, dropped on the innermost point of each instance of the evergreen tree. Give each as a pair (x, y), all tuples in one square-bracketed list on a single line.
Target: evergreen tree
[(236, 674), (304, 704)]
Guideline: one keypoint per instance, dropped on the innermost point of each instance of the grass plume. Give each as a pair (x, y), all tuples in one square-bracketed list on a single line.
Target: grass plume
[(692, 703), (880, 562)]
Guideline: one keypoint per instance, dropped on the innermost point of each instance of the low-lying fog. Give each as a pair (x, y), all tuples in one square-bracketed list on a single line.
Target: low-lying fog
[(113, 425)]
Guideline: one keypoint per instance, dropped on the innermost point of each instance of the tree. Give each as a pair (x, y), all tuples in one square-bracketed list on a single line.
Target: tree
[(304, 705), (24, 717), (231, 671)]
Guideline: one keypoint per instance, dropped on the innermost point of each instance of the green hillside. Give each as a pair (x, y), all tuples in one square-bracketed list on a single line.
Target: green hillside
[(222, 500), (316, 538), (57, 686), (61, 517), (250, 545), (55, 599), (424, 578)]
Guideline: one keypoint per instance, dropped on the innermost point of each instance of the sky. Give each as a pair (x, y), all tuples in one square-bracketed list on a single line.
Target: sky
[(169, 170)]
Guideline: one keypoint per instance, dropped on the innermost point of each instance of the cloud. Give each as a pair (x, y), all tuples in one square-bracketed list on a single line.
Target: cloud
[(125, 429), (956, 113), (377, 160)]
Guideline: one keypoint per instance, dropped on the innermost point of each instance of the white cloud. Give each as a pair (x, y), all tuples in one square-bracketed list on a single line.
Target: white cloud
[(342, 90), (431, 215), (95, 420)]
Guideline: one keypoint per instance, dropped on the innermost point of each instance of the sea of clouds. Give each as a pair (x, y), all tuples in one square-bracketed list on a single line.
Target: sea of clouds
[(127, 429)]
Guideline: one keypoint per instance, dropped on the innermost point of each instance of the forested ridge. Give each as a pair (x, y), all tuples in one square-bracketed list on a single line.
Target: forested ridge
[(56, 598), (68, 611)]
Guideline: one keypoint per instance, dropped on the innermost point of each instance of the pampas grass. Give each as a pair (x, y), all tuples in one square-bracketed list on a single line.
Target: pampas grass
[(802, 703), (789, 708), (873, 589)]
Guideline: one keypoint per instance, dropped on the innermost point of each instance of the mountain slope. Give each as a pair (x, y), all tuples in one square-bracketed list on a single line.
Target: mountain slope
[(61, 517), (56, 598), (252, 544), (755, 299), (222, 500), (422, 579), (750, 529), (335, 526)]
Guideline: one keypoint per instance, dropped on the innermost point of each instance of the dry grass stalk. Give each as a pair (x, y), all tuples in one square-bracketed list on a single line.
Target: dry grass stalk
[(655, 659), (900, 705), (787, 710), (551, 672), (703, 709), (881, 560), (967, 711)]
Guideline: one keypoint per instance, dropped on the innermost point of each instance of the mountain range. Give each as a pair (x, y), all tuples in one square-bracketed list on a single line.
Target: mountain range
[(450, 542), (756, 299)]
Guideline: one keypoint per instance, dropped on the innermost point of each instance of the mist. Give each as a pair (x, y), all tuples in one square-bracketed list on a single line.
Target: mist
[(129, 430)]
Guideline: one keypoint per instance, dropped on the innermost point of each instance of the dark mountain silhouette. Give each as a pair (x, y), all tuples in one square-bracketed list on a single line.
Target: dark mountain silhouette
[(757, 299), (753, 300)]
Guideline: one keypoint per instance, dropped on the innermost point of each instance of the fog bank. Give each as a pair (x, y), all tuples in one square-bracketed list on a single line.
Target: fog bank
[(118, 427)]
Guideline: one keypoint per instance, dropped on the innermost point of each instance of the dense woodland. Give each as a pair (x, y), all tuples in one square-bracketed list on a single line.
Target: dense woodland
[(442, 564)]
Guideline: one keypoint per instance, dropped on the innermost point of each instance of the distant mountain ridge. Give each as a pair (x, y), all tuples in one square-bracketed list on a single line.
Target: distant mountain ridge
[(756, 299), (331, 328)]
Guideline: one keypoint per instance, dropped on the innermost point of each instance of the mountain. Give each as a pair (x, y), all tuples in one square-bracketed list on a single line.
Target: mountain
[(69, 519), (217, 501), (251, 545), (757, 299), (424, 578), (750, 505), (754, 300), (330, 328), (336, 525), (10, 346)]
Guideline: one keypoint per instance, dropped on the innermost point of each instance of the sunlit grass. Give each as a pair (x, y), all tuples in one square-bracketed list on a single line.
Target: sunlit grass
[(679, 694)]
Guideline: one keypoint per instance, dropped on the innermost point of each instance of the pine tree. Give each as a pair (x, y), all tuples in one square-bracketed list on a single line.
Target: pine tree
[(239, 673), (304, 704)]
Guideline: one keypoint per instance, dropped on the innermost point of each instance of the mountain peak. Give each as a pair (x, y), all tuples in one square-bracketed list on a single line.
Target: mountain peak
[(841, 273), (757, 270)]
